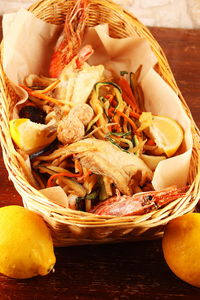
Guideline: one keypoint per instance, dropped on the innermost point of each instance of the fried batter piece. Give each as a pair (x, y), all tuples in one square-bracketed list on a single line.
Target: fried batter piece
[(71, 128), (103, 158)]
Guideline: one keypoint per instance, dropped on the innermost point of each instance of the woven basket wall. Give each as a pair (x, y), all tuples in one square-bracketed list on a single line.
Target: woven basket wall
[(71, 227)]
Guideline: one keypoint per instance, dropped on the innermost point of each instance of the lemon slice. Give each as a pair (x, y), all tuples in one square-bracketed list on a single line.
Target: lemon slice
[(30, 136), (167, 134)]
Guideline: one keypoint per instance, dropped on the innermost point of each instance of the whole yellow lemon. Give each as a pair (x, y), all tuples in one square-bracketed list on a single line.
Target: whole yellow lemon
[(181, 247), (26, 247)]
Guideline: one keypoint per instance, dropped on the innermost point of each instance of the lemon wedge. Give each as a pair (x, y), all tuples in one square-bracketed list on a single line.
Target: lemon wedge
[(167, 134), (30, 136)]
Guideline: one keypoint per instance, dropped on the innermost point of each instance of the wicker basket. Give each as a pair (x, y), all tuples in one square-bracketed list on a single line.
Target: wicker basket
[(71, 227)]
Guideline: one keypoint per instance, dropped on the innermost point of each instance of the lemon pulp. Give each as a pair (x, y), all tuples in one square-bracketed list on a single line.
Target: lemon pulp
[(30, 136), (167, 133)]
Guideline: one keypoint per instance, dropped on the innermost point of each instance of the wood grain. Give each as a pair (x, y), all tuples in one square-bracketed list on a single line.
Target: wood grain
[(182, 48), (118, 271)]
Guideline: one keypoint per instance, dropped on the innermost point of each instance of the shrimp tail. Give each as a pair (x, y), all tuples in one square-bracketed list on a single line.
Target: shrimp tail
[(83, 55)]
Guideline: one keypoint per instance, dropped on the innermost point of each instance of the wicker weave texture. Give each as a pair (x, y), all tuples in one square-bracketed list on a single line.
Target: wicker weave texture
[(75, 227)]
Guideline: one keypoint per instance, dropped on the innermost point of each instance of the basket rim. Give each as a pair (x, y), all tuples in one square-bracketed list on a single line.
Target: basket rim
[(143, 220)]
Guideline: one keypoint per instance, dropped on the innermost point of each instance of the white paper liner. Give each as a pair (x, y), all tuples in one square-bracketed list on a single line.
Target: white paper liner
[(28, 45), (56, 195), (119, 54)]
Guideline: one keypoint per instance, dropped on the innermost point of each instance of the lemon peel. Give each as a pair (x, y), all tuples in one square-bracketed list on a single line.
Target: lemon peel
[(30, 136), (181, 247), (26, 246)]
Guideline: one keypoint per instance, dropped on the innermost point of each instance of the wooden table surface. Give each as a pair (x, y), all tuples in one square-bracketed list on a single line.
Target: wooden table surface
[(118, 271)]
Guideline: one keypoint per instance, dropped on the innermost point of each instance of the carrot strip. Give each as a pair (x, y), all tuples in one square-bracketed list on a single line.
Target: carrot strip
[(66, 174), (128, 119), (84, 176), (26, 88), (150, 142), (128, 94), (128, 101), (111, 112), (110, 97), (42, 96), (134, 115), (116, 120), (47, 98), (127, 87), (112, 125), (50, 87)]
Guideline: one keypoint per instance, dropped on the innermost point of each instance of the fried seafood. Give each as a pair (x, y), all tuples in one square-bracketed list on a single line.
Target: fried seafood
[(71, 128), (76, 84), (83, 112), (68, 61), (138, 204), (69, 42), (92, 170), (108, 160), (102, 153)]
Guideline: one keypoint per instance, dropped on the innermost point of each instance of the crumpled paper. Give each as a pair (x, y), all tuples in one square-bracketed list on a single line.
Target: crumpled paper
[(28, 45)]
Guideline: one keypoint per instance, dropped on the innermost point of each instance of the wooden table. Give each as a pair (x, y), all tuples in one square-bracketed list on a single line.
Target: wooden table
[(119, 271)]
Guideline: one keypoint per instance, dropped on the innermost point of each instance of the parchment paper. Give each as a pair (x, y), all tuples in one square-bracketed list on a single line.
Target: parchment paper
[(28, 45)]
